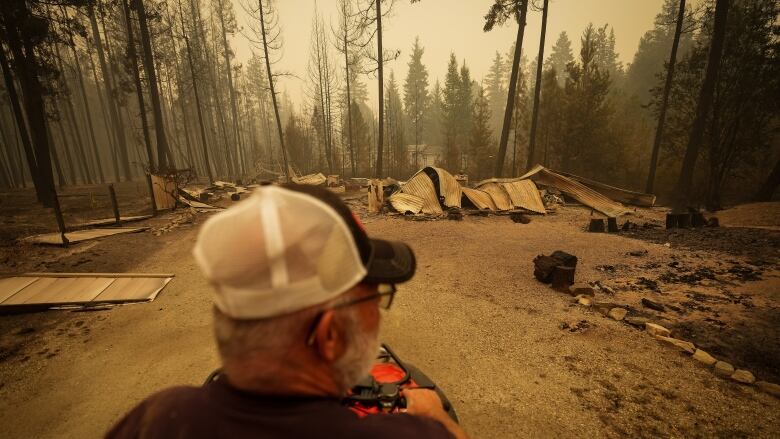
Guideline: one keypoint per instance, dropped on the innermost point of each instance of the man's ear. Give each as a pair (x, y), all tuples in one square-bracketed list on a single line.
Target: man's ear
[(329, 337)]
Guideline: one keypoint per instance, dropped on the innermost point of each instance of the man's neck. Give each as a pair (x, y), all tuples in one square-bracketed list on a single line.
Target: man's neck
[(292, 376)]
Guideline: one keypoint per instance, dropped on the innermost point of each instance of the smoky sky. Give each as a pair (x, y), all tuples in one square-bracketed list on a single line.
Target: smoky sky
[(452, 26)]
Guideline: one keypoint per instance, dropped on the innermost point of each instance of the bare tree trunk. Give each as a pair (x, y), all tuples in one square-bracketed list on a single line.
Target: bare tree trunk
[(207, 162), (21, 125), (537, 90), (55, 157), (685, 182), (380, 59), (133, 54), (232, 92), (24, 58), (659, 131), (273, 92), (201, 33), (349, 96), (118, 130), (65, 148), (151, 75), (85, 101), (510, 101), (103, 113)]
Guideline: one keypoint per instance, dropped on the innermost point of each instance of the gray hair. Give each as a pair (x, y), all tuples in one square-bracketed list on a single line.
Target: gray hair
[(270, 336)]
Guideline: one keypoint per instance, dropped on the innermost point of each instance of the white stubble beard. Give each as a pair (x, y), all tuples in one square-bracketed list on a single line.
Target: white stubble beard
[(360, 355)]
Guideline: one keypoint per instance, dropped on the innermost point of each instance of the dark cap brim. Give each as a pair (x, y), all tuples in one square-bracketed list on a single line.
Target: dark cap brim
[(391, 262)]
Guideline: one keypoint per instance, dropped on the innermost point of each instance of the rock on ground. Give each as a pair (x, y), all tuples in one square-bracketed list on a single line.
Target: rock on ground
[(682, 344), (743, 376), (656, 329), (704, 357), (723, 369)]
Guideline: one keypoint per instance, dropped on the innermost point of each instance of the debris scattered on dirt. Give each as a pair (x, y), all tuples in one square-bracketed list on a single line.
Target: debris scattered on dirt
[(544, 265), (580, 326), (519, 218), (647, 303)]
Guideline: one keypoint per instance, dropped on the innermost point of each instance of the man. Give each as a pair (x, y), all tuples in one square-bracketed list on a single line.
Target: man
[(298, 285)]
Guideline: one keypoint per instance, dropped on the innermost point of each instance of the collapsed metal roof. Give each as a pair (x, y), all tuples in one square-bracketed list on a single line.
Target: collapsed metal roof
[(576, 190), (433, 189)]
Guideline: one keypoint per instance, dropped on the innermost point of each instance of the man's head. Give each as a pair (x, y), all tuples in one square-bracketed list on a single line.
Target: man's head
[(298, 283)]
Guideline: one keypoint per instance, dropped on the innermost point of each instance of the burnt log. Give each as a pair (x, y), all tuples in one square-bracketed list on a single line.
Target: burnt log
[(545, 265), (562, 278)]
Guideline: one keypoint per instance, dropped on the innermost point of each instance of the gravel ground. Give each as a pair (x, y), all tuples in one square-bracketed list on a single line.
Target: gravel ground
[(474, 319)]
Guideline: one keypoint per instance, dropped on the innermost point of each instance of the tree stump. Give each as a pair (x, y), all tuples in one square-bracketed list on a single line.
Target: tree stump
[(683, 220), (612, 226), (596, 225), (698, 220), (671, 220), (562, 278), (375, 196)]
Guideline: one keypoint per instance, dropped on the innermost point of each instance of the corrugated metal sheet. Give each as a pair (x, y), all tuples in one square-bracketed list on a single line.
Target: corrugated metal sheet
[(449, 188), (479, 198), (576, 190), (497, 193), (310, 179), (615, 193), (406, 202), (421, 186), (525, 195)]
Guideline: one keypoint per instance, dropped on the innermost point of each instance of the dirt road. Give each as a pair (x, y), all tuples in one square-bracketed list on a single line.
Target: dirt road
[(473, 318)]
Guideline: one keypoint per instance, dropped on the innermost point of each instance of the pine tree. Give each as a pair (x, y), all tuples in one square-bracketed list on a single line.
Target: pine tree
[(560, 57), (396, 142), (496, 91), (451, 114), (481, 144), (416, 94)]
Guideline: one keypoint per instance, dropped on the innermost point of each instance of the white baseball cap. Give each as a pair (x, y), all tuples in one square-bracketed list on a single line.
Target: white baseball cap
[(287, 248)]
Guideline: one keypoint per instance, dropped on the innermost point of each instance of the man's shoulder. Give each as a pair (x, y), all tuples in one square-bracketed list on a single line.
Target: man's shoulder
[(159, 409), (399, 425)]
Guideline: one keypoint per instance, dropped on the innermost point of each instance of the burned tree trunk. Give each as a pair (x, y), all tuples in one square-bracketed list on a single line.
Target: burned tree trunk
[(510, 101), (21, 126), (537, 90), (273, 92), (151, 74), (706, 96), (116, 123), (665, 100)]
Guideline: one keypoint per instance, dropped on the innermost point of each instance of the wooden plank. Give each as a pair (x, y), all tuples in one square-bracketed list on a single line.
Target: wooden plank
[(110, 221), (132, 289), (12, 285), (81, 235), (163, 190), (112, 275), (60, 291)]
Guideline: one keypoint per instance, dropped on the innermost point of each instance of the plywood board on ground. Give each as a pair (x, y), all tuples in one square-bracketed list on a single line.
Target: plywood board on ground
[(128, 289), (12, 285), (73, 289), (81, 235), (109, 221), (54, 290)]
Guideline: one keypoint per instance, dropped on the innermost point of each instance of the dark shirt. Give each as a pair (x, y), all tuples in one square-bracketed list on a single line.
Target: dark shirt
[(219, 410)]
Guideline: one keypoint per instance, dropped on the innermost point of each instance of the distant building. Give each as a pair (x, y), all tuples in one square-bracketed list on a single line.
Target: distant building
[(423, 155)]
